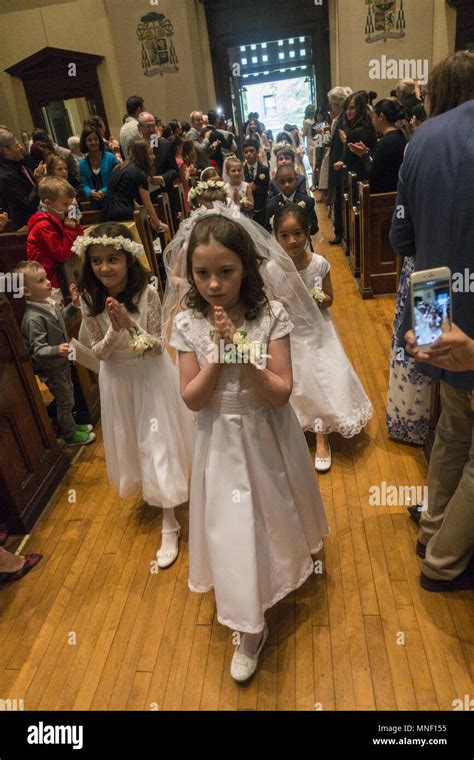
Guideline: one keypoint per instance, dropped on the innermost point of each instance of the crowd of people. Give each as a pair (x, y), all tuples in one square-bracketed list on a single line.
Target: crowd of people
[(243, 275)]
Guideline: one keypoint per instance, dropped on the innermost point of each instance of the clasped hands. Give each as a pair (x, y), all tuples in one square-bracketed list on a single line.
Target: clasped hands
[(119, 317), (225, 328)]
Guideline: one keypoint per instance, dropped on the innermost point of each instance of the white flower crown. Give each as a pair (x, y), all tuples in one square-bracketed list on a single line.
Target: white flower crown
[(282, 146), (210, 184), (82, 243)]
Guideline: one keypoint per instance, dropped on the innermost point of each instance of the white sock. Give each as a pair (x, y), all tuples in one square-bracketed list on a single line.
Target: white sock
[(249, 643), (169, 541)]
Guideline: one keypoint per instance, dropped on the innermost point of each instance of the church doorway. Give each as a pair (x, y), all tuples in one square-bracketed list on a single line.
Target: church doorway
[(277, 102), (265, 43), (275, 79)]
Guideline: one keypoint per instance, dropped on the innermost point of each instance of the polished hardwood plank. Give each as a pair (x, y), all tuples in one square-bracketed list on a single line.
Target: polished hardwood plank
[(361, 634)]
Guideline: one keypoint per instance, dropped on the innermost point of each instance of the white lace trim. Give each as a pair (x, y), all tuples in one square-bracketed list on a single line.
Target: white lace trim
[(103, 344), (277, 598), (347, 428)]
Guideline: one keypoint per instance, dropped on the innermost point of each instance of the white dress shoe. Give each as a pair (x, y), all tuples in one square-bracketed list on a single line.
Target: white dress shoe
[(243, 667), (165, 559), (323, 464)]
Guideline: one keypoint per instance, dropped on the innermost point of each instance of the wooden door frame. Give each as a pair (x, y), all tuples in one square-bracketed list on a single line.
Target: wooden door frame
[(252, 23), (48, 76)]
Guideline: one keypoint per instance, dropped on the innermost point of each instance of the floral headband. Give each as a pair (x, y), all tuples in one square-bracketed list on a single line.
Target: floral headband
[(282, 146), (210, 184), (82, 243)]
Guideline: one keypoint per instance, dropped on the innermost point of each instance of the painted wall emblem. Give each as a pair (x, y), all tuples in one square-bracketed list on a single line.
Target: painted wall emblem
[(384, 20), (155, 33)]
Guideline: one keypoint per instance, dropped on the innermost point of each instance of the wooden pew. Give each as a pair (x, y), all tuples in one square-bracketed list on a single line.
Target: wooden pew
[(399, 263), (354, 224), (86, 383), (178, 206), (182, 201), (163, 210), (90, 217), (145, 231), (68, 273), (32, 463), (346, 231), (378, 261), (12, 251), (86, 388)]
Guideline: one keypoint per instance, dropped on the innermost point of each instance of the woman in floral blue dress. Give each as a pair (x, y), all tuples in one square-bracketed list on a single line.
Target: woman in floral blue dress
[(409, 391)]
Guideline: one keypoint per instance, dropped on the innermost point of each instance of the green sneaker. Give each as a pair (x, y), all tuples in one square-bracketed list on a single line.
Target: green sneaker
[(80, 438), (84, 428)]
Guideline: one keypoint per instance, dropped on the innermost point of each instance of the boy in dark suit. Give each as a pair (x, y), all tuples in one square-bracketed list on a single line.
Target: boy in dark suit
[(284, 157), (287, 180), (258, 176)]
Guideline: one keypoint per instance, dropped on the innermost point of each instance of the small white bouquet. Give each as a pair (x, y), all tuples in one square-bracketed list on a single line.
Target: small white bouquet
[(245, 203), (141, 342), (242, 350), (318, 295)]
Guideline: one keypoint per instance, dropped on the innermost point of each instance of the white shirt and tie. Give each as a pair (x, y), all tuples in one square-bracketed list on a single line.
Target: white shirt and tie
[(252, 169), (289, 198)]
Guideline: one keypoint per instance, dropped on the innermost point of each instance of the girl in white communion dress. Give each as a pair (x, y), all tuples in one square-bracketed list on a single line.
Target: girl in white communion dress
[(327, 394), (256, 514), (147, 429)]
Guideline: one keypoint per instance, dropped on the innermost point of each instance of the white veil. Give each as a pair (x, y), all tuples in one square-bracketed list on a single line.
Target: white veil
[(225, 173), (281, 279)]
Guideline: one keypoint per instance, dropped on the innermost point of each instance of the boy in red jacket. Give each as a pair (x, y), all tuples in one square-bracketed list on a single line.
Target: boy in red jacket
[(50, 231)]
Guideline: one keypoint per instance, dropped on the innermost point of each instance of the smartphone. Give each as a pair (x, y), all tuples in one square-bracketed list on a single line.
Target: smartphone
[(430, 296)]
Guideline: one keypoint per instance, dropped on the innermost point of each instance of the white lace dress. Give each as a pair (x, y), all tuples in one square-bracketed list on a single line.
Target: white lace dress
[(256, 514), (237, 192), (328, 397), (148, 431)]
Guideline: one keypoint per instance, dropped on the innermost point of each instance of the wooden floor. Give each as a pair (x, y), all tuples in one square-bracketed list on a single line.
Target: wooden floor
[(92, 628)]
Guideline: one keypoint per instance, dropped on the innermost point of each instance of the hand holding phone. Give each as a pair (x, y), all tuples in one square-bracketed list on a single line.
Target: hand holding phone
[(430, 297)]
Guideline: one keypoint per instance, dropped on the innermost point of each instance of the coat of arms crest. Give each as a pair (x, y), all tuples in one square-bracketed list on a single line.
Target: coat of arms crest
[(383, 20), (154, 31)]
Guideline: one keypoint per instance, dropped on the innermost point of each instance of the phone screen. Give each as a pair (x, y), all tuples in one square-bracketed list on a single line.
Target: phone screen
[(431, 310)]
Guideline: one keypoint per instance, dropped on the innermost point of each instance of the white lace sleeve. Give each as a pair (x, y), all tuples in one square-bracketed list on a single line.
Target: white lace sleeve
[(153, 320), (101, 345)]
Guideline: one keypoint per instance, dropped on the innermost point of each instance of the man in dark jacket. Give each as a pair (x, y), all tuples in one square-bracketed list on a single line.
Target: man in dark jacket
[(258, 176), (287, 179), (434, 222), (336, 152), (217, 137), (18, 190), (407, 97), (165, 168)]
